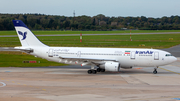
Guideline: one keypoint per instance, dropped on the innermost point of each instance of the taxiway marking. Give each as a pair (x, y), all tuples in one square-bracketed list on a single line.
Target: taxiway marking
[(169, 71), (3, 84)]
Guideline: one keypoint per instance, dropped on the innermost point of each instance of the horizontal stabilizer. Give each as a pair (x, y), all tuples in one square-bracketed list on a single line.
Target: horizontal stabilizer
[(28, 50)]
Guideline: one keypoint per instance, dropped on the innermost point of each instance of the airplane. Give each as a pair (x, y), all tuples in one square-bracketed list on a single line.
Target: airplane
[(100, 59)]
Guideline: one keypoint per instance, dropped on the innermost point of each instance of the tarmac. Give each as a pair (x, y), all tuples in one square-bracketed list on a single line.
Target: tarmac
[(69, 83)]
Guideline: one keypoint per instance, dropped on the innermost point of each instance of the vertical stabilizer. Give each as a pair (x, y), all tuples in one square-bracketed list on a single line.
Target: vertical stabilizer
[(26, 37)]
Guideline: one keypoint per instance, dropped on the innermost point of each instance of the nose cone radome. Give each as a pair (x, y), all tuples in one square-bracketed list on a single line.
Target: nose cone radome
[(172, 59)]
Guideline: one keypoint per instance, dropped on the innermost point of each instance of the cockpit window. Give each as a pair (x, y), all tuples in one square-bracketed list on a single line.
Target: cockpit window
[(168, 55)]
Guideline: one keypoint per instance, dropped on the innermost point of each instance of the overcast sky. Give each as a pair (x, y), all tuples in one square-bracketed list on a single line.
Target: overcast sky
[(148, 8)]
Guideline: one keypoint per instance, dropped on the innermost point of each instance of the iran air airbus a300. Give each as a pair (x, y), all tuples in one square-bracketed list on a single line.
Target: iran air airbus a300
[(106, 59)]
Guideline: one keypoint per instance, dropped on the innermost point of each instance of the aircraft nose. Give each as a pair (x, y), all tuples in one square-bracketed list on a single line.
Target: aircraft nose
[(173, 59)]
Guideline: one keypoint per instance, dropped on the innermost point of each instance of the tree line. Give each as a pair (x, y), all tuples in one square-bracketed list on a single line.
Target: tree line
[(98, 22)]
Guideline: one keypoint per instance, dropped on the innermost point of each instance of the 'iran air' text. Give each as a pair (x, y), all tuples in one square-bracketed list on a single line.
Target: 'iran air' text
[(144, 52)]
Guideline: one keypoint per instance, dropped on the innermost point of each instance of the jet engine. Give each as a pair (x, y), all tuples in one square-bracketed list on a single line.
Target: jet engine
[(110, 66)]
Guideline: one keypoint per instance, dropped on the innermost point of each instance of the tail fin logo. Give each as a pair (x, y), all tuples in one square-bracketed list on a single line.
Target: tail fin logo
[(23, 34)]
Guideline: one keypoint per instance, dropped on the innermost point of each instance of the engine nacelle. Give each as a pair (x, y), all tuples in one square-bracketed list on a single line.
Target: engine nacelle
[(111, 66)]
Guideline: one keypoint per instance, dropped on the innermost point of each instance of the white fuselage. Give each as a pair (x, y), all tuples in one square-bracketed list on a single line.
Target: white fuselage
[(127, 57)]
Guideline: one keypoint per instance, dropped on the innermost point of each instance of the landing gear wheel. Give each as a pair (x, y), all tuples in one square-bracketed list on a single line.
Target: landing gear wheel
[(94, 71), (89, 71), (155, 71), (102, 70), (98, 69)]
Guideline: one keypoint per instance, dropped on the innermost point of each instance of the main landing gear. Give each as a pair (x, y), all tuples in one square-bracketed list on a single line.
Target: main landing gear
[(100, 70), (92, 71), (155, 70)]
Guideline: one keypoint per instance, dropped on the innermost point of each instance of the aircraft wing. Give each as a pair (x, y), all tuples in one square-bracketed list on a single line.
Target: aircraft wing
[(91, 59), (87, 61), (7, 49)]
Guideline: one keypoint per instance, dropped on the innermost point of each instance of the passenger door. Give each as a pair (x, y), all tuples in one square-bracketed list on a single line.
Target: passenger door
[(133, 55), (79, 54), (50, 54), (156, 55)]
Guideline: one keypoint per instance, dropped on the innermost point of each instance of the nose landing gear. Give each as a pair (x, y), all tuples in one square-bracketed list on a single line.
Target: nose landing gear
[(155, 70)]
